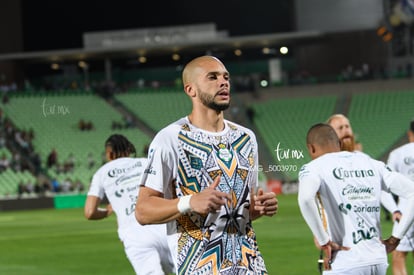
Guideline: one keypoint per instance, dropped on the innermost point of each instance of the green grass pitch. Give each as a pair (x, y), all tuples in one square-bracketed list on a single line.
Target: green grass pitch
[(60, 242)]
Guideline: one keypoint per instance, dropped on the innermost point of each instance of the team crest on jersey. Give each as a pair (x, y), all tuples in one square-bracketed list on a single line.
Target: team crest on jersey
[(223, 153)]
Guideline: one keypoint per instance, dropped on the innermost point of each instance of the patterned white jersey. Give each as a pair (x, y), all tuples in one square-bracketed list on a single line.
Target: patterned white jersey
[(119, 179), (183, 160), (349, 185)]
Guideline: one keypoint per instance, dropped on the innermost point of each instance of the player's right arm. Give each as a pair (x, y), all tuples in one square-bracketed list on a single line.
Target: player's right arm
[(308, 188), (152, 208), (157, 202), (92, 210)]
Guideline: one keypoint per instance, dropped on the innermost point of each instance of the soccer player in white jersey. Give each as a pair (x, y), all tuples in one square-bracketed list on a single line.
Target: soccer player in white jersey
[(145, 246), (401, 160), (343, 129), (348, 185), (202, 180)]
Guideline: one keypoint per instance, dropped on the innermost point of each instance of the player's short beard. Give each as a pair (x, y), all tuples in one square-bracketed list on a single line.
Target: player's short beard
[(208, 101), (348, 144)]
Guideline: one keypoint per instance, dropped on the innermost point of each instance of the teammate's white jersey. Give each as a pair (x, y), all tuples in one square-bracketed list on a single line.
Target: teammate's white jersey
[(145, 246), (184, 159), (349, 185), (119, 179), (401, 160)]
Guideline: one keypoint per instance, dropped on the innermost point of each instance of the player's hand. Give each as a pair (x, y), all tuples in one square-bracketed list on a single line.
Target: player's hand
[(210, 199), (391, 243), (396, 216), (109, 210), (328, 249), (265, 203)]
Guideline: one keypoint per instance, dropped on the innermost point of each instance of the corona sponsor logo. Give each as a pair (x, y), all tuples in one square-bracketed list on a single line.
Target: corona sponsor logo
[(119, 171), (341, 174)]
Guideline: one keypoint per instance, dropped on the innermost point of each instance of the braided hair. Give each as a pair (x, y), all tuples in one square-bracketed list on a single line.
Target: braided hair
[(120, 146)]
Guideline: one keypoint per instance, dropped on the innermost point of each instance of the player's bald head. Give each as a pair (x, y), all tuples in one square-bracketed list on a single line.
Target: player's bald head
[(336, 116), (191, 69), (322, 135)]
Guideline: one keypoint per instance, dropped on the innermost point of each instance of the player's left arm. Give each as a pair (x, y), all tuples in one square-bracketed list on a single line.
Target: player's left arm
[(262, 203), (92, 210)]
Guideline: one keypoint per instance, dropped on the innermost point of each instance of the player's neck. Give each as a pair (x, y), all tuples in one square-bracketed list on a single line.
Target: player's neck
[(208, 120)]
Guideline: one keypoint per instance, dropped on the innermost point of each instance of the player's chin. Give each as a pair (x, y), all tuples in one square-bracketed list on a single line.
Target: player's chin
[(221, 106)]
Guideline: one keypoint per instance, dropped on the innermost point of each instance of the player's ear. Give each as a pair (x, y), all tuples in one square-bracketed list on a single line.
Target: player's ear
[(112, 155), (311, 148), (109, 154), (312, 151), (189, 90)]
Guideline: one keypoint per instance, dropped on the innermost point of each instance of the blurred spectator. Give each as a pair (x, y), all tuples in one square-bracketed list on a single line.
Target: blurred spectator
[(78, 186), (46, 186), (52, 158), (21, 138), (37, 162), (85, 125), (20, 189), (16, 162), (38, 189), (29, 187), (66, 186), (55, 185), (69, 163), (4, 163)]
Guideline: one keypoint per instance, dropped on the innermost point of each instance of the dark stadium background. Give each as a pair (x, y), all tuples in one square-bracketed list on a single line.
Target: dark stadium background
[(59, 25)]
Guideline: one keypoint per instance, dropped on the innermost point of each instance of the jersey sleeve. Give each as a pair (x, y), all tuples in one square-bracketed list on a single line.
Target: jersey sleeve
[(392, 161), (158, 174), (96, 187), (388, 201), (401, 186), (309, 184), (255, 173)]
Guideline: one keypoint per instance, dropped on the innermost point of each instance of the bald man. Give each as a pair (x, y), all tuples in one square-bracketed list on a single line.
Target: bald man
[(348, 186), (202, 179)]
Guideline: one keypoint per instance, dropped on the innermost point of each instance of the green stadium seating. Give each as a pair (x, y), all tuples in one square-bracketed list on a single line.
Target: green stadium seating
[(380, 119), (157, 108), (54, 119), (283, 123)]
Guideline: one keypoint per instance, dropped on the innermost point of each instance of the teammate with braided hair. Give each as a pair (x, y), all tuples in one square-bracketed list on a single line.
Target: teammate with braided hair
[(118, 179)]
